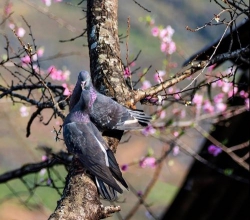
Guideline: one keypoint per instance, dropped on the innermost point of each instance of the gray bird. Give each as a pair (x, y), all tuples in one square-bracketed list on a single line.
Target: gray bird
[(104, 112), (84, 140)]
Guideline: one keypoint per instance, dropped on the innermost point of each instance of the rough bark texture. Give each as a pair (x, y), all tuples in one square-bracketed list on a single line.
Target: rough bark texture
[(104, 50)]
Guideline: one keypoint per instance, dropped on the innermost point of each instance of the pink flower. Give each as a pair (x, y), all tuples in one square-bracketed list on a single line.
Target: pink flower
[(155, 31), (220, 83), (163, 47), (232, 92), (132, 64), (147, 162), (145, 85), (47, 2), (8, 8), (218, 98), (197, 99), (210, 68), (26, 59), (176, 150), (220, 107), (176, 133), (124, 167), (148, 130), (162, 114), (40, 51), (171, 47), (243, 94), (127, 72), (11, 26), (214, 150), (66, 89), (207, 107), (24, 111), (44, 157), (20, 32), (247, 103), (158, 76), (226, 87)]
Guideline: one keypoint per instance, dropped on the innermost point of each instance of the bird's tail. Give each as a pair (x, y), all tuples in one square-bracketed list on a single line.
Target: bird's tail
[(106, 191), (142, 118)]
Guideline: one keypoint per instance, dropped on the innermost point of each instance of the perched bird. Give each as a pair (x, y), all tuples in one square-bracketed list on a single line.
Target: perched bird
[(84, 140), (104, 112)]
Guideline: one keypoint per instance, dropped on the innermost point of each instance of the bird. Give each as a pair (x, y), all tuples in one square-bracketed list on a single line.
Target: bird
[(84, 140), (105, 112)]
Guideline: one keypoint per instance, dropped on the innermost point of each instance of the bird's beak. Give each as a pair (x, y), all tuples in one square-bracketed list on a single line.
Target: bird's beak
[(83, 84)]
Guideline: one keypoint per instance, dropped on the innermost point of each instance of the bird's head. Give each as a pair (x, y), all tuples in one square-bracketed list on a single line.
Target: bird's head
[(85, 79)]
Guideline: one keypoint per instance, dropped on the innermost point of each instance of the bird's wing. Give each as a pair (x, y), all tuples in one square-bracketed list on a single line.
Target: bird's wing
[(81, 140), (109, 114)]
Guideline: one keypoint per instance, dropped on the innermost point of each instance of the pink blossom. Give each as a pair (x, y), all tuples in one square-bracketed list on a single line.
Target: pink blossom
[(197, 99), (66, 89), (44, 157), (177, 95), (34, 57), (11, 26), (25, 59), (47, 2), (243, 94), (176, 133), (163, 47), (158, 76), (218, 98), (58, 74), (232, 92), (207, 107), (148, 130), (226, 87), (20, 32), (247, 104), (145, 85), (132, 64), (176, 150), (40, 51), (214, 150), (220, 83), (155, 31), (147, 162), (171, 89), (162, 114), (171, 47), (168, 31), (24, 111), (8, 8), (127, 72), (124, 167), (220, 107), (210, 68)]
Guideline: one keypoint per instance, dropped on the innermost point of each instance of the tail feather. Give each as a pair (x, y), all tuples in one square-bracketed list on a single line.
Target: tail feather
[(114, 168), (107, 192)]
